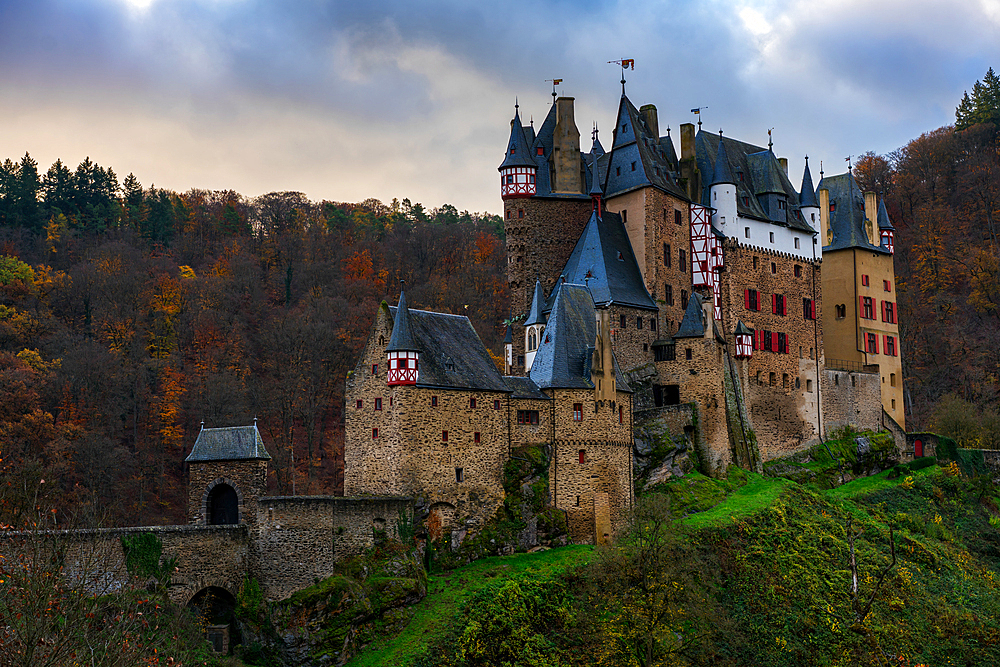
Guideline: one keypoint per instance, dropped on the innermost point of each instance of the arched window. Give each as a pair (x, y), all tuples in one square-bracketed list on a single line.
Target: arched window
[(223, 506), (532, 340)]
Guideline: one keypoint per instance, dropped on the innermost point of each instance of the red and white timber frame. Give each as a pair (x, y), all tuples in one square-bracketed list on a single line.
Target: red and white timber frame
[(517, 182), (706, 255), (886, 235), (403, 367)]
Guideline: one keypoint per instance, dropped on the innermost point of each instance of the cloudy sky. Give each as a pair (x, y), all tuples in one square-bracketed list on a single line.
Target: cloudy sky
[(384, 98)]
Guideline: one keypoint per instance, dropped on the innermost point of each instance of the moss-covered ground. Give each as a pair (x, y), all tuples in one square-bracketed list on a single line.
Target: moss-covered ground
[(774, 567)]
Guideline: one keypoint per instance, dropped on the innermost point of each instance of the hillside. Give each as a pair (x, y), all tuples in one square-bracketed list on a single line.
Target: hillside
[(748, 570)]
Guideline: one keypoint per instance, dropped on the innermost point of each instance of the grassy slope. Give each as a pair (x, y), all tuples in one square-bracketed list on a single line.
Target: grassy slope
[(446, 593), (784, 549)]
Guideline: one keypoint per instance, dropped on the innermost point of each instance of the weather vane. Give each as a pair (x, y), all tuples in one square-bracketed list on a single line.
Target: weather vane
[(624, 63), (554, 82), (697, 112)]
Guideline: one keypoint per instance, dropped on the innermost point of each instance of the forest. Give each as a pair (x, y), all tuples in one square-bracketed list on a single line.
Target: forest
[(131, 315)]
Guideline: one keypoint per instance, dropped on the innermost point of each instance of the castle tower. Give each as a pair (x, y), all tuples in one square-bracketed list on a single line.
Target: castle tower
[(885, 228), (227, 471), (808, 204), (518, 169), (402, 351), (723, 191)]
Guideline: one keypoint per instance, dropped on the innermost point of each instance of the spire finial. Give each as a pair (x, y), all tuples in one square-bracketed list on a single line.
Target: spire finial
[(624, 63), (697, 112), (554, 82), (668, 130), (202, 424), (821, 169), (769, 142), (593, 133), (254, 421), (516, 105)]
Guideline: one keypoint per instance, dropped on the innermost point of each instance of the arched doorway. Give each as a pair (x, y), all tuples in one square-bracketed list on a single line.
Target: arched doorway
[(213, 606), (223, 506)]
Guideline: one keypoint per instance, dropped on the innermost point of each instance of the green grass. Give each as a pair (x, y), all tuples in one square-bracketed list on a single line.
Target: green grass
[(865, 485), (758, 493), (447, 592)]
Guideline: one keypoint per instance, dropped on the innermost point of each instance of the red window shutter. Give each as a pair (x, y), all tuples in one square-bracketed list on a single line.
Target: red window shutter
[(774, 341), (774, 304), (861, 306), (756, 336), (885, 344), (746, 299)]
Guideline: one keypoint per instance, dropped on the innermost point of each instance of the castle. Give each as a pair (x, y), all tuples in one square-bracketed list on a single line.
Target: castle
[(645, 286)]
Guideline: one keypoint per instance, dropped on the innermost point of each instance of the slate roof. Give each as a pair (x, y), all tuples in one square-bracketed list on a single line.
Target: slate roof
[(452, 356), (508, 337), (693, 325), (518, 146), (524, 387), (233, 443), (564, 355), (883, 215), (603, 261), (807, 196), (535, 315), (762, 174), (722, 173), (742, 329), (847, 219), (402, 335), (635, 143)]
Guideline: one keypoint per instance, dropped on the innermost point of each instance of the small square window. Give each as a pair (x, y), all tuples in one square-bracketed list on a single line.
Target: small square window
[(618, 171), (496, 404), (796, 241), (886, 285), (583, 455), (746, 232), (687, 353), (378, 403), (444, 436), (633, 166), (638, 323), (472, 403), (774, 267), (475, 437), (578, 412), (374, 369), (434, 401), (798, 270), (459, 475), (374, 433), (540, 151), (359, 404), (520, 213), (652, 324), (864, 280)]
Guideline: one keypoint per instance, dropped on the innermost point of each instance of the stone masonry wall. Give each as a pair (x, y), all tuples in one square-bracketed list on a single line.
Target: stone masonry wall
[(95, 560), (633, 345), (247, 478), (851, 398), (541, 234), (530, 434), (781, 388), (302, 537)]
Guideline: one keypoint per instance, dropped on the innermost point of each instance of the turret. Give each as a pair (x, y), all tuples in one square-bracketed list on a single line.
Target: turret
[(518, 170), (808, 204), (508, 351), (402, 352), (533, 326), (744, 340), (723, 191), (885, 228)]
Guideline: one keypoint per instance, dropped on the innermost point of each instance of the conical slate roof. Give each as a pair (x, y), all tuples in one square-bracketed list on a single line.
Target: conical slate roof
[(508, 338), (847, 214), (807, 196), (535, 315), (742, 329), (518, 148), (883, 215), (693, 325), (722, 173), (402, 331), (233, 443), (603, 261)]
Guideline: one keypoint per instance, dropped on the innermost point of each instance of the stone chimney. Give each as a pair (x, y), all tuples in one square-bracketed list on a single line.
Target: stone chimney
[(566, 149), (687, 141), (826, 237), (871, 215), (783, 161), (648, 114)]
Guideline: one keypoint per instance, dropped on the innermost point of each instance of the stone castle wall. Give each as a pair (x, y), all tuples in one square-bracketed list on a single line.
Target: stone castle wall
[(606, 468), (782, 389), (247, 478), (302, 537), (851, 398)]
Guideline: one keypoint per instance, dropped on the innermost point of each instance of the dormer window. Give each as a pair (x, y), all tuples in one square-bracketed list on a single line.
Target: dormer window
[(540, 151), (513, 149), (739, 174), (624, 127)]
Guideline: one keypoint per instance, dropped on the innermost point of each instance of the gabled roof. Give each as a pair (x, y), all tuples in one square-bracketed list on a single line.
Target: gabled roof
[(536, 316), (233, 443), (847, 219), (635, 143), (742, 329), (807, 195), (603, 261), (883, 215), (402, 336), (761, 173), (564, 353), (508, 337), (452, 356), (518, 146), (693, 325)]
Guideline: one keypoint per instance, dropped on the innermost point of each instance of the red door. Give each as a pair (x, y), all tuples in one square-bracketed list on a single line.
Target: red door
[(918, 449)]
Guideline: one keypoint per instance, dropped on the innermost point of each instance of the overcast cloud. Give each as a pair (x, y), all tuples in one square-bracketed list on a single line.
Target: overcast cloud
[(350, 100)]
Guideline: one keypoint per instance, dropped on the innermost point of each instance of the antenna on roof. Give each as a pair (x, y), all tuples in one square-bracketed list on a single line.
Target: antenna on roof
[(554, 82), (697, 112), (625, 63)]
